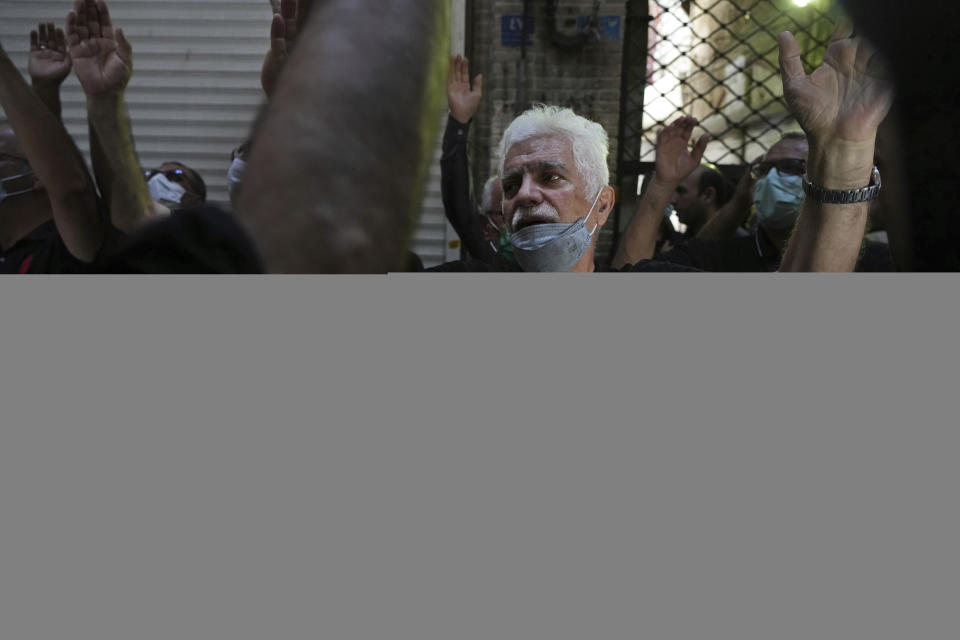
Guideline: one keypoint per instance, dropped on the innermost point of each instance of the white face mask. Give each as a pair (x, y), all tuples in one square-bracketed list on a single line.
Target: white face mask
[(164, 191), (235, 179)]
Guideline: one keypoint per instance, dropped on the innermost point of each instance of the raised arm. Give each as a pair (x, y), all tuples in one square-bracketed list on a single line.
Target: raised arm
[(840, 106), (335, 179), (725, 221), (283, 33), (103, 62), (49, 64), (458, 206), (674, 162), (56, 162)]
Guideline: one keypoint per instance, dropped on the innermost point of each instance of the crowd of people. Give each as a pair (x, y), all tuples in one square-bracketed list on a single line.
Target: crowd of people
[(330, 181)]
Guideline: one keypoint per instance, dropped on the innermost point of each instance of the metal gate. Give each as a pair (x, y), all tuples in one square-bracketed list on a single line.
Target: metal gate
[(715, 60)]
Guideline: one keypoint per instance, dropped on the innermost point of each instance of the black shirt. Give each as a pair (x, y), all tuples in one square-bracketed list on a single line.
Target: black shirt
[(476, 266), (737, 254), (455, 191), (757, 253), (201, 239), (40, 251)]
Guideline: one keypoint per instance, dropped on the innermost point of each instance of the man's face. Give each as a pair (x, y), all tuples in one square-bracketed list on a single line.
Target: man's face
[(183, 176), (686, 199), (789, 149), (541, 183)]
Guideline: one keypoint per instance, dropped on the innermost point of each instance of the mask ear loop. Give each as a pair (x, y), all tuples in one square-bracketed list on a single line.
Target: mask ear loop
[(595, 201)]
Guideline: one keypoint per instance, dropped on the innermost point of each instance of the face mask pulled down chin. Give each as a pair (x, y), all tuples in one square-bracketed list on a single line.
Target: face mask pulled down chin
[(778, 199), (553, 246), (165, 192)]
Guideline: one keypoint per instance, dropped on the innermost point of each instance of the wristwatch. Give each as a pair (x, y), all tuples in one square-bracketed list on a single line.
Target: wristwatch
[(844, 196)]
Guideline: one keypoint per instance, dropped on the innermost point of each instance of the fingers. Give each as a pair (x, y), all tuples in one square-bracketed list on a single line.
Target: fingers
[(124, 47), (791, 66), (73, 37), (83, 31), (93, 19), (451, 70), (278, 43), (700, 147), (106, 25), (460, 76), (288, 9), (843, 30), (478, 84), (61, 41), (682, 127)]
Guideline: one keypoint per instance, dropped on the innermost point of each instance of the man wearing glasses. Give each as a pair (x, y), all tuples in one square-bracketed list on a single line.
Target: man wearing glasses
[(175, 185), (777, 200)]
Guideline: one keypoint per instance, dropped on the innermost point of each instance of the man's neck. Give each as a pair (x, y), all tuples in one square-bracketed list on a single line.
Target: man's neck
[(693, 228)]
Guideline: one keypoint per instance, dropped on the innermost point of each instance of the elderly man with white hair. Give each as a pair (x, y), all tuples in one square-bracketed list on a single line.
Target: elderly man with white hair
[(556, 196)]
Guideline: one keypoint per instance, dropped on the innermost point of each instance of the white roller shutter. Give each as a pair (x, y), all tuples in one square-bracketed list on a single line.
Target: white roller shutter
[(195, 89)]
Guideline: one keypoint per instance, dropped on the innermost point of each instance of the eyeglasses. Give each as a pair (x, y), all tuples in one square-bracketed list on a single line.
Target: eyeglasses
[(786, 166), (173, 175)]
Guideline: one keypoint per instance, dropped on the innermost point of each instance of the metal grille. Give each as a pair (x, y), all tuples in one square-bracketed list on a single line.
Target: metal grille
[(715, 60)]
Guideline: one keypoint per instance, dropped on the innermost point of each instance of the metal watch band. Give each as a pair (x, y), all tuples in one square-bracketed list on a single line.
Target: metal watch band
[(845, 196)]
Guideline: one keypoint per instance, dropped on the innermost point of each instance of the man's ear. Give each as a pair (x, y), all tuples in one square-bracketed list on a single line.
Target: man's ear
[(605, 204), (709, 195)]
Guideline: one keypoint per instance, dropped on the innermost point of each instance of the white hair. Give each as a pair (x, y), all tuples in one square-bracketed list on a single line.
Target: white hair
[(588, 141), (486, 196)]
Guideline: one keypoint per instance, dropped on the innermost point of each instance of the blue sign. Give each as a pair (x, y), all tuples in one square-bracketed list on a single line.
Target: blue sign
[(511, 31), (608, 26)]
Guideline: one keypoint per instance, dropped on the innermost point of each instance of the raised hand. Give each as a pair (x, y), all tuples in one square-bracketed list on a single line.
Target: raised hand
[(846, 97), (49, 61), (283, 32), (462, 100), (675, 160), (743, 194), (102, 56)]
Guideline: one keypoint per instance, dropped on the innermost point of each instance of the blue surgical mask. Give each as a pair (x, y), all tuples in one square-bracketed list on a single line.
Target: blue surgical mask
[(553, 246), (4, 194), (778, 199)]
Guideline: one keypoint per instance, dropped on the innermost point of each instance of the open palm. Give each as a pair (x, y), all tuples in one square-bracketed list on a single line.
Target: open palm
[(461, 98), (283, 33), (49, 60), (675, 159), (846, 97), (102, 56)]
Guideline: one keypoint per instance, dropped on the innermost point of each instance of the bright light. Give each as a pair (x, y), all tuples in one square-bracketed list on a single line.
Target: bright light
[(801, 3)]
